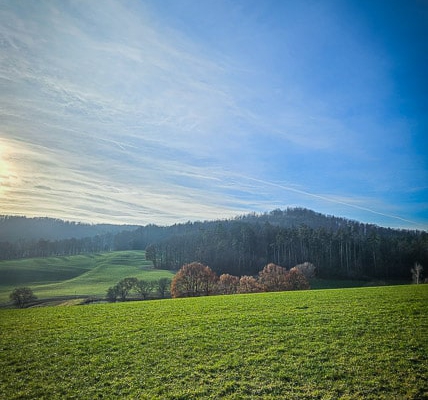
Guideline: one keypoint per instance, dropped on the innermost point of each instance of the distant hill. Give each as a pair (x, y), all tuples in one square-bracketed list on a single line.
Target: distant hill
[(298, 216), (14, 228), (338, 247)]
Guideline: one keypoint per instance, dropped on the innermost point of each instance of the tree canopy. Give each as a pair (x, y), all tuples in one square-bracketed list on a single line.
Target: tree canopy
[(22, 296), (194, 279), (197, 279)]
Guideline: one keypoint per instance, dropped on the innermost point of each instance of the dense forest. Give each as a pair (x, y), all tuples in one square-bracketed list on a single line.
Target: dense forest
[(242, 246)]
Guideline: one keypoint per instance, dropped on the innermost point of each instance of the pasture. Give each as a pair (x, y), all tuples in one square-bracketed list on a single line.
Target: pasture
[(82, 275), (369, 343)]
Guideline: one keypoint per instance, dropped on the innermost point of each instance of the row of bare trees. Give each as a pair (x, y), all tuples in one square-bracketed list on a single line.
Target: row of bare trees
[(197, 279), (138, 288)]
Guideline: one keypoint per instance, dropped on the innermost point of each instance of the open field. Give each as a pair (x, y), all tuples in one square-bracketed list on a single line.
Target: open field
[(369, 343), (83, 275), (92, 274)]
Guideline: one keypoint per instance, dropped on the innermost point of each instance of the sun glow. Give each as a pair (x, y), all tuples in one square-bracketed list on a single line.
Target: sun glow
[(8, 176)]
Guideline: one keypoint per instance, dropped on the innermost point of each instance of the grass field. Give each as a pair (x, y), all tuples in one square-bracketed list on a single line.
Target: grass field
[(359, 343), (83, 275)]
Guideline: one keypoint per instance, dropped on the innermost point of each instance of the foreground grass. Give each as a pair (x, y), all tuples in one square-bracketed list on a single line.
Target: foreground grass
[(366, 343), (82, 275)]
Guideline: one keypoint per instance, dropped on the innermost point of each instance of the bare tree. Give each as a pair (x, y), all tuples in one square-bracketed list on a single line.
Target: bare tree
[(162, 286), (296, 280), (417, 273), (249, 284), (143, 288), (272, 278), (151, 254), (228, 284), (125, 286), (194, 279), (112, 293), (307, 269), (22, 296)]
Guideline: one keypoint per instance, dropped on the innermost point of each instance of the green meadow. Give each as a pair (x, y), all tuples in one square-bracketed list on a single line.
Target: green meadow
[(357, 343), (82, 275)]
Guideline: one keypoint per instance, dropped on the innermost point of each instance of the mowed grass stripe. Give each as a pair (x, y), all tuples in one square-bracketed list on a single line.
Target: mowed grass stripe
[(85, 275), (358, 343)]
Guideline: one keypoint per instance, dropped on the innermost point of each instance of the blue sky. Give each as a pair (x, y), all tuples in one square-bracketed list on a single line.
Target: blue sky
[(166, 111)]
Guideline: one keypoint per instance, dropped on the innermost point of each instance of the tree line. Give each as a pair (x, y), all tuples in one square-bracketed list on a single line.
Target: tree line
[(134, 288), (338, 247), (136, 239), (196, 279), (351, 251), (19, 228)]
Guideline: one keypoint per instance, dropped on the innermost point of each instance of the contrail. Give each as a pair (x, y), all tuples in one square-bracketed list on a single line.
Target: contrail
[(291, 189)]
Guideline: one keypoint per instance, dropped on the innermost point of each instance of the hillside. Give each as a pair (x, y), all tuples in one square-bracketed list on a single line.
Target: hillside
[(83, 275), (365, 343), (338, 247), (14, 228)]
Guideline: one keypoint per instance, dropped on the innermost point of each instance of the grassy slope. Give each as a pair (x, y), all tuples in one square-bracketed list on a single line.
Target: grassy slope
[(76, 275), (357, 343)]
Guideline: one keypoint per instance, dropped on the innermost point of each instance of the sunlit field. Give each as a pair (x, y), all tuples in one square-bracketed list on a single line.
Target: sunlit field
[(369, 343), (83, 275)]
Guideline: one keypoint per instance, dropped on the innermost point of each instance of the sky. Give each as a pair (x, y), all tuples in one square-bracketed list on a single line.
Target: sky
[(167, 111)]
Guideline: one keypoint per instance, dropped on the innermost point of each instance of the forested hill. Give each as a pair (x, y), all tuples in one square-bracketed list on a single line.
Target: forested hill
[(336, 246), (244, 245), (295, 217), (15, 228)]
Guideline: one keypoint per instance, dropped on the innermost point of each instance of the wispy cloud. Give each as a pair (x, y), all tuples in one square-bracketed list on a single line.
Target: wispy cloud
[(111, 114), (348, 202)]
